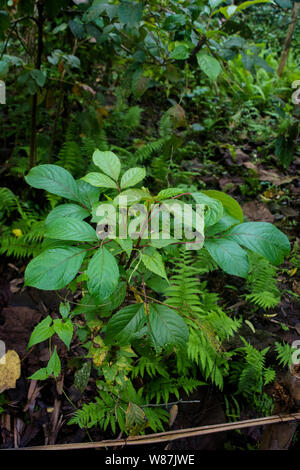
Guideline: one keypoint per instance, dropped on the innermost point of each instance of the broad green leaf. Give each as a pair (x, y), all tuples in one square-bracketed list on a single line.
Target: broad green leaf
[(140, 83), (39, 77), (125, 325), (54, 268), (157, 284), (181, 52), (54, 179), (77, 29), (248, 4), (231, 205), (114, 300), (155, 264), (209, 65), (54, 364), (108, 162), (174, 22), (130, 13), (167, 328), (99, 180), (64, 329), (66, 228), (223, 224), (67, 210), (229, 256), (262, 238), (132, 177), (41, 332), (168, 193), (215, 3), (126, 244), (103, 274), (133, 196), (284, 3), (161, 242), (214, 208), (184, 216), (89, 195)]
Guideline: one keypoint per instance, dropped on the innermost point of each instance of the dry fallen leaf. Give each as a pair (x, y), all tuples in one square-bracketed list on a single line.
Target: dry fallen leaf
[(257, 211), (173, 414), (10, 370)]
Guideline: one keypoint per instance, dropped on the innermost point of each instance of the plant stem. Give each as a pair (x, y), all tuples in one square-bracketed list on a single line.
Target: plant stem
[(40, 24)]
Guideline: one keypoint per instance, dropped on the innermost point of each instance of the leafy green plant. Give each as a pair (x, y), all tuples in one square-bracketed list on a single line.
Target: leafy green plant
[(129, 332)]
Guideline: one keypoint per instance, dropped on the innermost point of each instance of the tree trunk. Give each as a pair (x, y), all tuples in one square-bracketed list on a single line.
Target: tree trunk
[(288, 39), (40, 23)]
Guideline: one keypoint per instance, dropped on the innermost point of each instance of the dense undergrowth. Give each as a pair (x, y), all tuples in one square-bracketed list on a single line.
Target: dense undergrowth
[(149, 100)]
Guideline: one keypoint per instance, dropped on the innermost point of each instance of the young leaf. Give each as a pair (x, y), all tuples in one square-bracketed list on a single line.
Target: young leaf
[(132, 196), (99, 180), (64, 329), (66, 228), (126, 244), (125, 325), (64, 309), (54, 268), (231, 205), (155, 264), (54, 364), (262, 238), (103, 274), (108, 162), (54, 179), (41, 332), (132, 177), (167, 328), (209, 65), (41, 374), (167, 193), (229, 256)]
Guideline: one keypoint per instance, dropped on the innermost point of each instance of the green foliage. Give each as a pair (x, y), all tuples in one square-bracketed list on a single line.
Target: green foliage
[(208, 324), (251, 375), (284, 353), (149, 82), (261, 282)]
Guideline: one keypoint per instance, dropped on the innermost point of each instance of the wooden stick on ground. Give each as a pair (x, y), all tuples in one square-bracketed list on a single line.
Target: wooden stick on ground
[(172, 435)]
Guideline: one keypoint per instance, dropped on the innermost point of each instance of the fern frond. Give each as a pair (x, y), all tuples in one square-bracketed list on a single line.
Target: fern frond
[(284, 353), (151, 365), (70, 157), (7, 200), (147, 150), (261, 282), (263, 299), (208, 325), (161, 388), (156, 417)]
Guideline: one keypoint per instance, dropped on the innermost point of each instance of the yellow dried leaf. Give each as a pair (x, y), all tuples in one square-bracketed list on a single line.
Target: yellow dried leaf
[(292, 272), (10, 370), (98, 357), (17, 232)]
